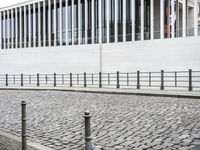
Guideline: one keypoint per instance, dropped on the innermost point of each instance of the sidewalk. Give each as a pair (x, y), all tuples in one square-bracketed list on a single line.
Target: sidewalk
[(153, 92)]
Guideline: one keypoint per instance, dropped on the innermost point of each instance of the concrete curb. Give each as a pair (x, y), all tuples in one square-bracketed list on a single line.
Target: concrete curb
[(12, 142), (158, 93)]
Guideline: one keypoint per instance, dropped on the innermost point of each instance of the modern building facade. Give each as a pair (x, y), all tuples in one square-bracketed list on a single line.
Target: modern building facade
[(94, 26)]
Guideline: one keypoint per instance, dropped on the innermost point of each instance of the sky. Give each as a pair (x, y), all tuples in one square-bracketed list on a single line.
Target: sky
[(4, 3)]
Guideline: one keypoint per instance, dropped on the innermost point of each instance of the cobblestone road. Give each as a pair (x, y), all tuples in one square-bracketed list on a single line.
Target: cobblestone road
[(118, 121)]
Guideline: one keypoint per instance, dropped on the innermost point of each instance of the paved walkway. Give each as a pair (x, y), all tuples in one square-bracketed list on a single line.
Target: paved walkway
[(118, 121)]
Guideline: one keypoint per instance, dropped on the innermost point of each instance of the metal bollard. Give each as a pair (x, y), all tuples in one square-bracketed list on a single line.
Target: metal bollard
[(38, 79), (88, 140), (70, 79), (6, 79), (24, 142), (138, 79), (190, 80), (162, 80), (118, 86), (100, 79), (54, 76)]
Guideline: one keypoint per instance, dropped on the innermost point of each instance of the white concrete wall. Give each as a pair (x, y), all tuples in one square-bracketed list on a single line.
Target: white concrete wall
[(167, 54)]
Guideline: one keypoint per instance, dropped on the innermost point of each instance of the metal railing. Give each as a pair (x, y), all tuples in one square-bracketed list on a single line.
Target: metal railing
[(139, 80)]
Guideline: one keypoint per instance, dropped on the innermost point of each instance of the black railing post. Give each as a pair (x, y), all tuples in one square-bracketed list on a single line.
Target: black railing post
[(162, 80), (190, 80), (149, 79), (6, 79), (38, 79), (23, 115), (138, 79), (22, 82), (54, 76), (85, 80), (70, 79), (175, 79), (88, 139), (100, 79), (118, 85)]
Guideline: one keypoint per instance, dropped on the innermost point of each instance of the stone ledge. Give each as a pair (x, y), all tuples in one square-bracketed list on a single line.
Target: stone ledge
[(12, 142)]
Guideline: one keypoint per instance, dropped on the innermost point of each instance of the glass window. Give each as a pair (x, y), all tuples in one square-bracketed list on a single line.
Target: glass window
[(64, 23), (104, 21), (137, 20), (120, 20), (112, 20), (128, 20)]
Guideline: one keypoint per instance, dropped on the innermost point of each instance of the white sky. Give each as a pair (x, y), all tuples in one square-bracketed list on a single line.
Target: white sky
[(4, 3)]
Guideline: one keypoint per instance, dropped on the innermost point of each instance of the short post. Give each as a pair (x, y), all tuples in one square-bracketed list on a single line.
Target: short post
[(138, 79), (118, 85), (6, 79), (54, 79), (24, 142), (85, 82), (190, 80), (162, 80), (88, 138), (38, 79), (100, 79), (22, 82), (70, 79)]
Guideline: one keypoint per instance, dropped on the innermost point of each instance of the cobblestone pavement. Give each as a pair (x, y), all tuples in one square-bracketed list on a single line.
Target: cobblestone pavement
[(118, 121)]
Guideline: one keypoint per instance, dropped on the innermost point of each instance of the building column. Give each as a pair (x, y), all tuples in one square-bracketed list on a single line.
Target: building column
[(54, 24), (172, 19), (49, 15), (86, 22), (195, 18), (161, 19), (29, 17), (124, 21), (34, 26), (39, 25), (152, 18), (108, 20), (79, 22), (100, 21), (133, 20), (16, 29), (25, 27), (21, 42), (184, 18), (177, 18), (44, 23), (66, 32), (142, 20), (72, 21), (61, 31), (8, 30), (4, 12), (93, 21), (116, 21)]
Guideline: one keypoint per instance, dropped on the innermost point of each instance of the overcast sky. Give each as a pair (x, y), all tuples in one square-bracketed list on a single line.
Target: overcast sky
[(4, 3)]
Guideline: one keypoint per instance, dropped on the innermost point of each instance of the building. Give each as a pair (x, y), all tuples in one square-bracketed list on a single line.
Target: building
[(99, 35)]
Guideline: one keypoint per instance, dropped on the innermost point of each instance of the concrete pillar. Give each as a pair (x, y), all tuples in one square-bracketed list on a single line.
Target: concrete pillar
[(177, 19), (133, 20), (124, 21), (61, 31), (161, 19), (39, 25), (184, 18), (100, 21), (142, 20), (93, 28), (49, 15), (12, 26), (16, 29), (116, 21), (79, 22), (54, 23), (8, 29), (34, 25), (195, 18), (172, 19), (29, 20), (44, 23), (66, 32), (108, 20), (86, 21), (73, 27), (152, 18)]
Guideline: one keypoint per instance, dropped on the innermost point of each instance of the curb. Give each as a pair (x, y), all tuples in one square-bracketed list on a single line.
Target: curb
[(13, 142), (176, 94)]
